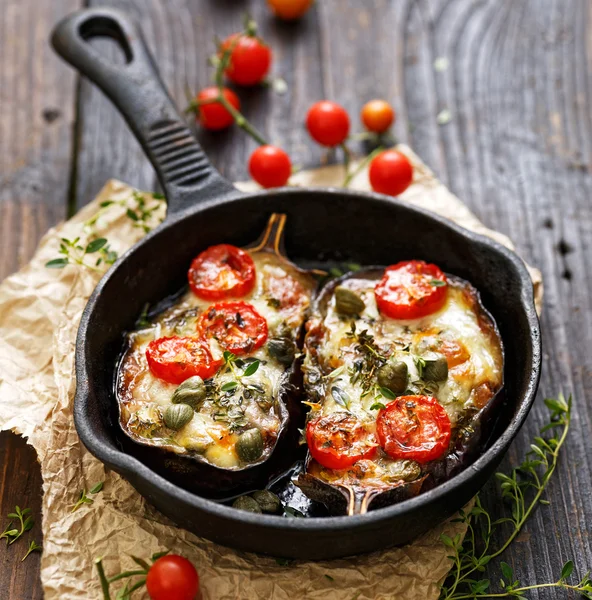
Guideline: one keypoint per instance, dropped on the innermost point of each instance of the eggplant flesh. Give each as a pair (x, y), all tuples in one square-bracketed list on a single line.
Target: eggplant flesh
[(202, 455), (471, 394)]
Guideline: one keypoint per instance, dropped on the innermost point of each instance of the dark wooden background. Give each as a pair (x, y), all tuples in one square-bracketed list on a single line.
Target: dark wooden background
[(518, 151)]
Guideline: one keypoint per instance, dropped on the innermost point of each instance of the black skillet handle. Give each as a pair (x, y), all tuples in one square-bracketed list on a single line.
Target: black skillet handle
[(138, 92)]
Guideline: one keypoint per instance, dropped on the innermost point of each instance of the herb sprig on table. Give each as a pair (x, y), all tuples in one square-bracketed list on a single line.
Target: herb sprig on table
[(13, 533), (523, 488)]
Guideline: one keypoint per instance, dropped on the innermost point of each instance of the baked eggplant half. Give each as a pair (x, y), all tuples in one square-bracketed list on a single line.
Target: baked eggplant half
[(403, 371), (209, 386)]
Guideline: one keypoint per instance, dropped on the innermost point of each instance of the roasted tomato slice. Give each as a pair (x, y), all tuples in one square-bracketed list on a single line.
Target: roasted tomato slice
[(413, 427), (175, 359), (338, 440), (236, 326), (222, 271), (411, 289)]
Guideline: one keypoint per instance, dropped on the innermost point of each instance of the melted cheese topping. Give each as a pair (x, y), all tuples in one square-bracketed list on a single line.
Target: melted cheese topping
[(282, 296), (461, 331)]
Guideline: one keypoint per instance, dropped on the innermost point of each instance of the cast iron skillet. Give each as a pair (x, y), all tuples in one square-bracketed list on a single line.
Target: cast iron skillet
[(204, 209)]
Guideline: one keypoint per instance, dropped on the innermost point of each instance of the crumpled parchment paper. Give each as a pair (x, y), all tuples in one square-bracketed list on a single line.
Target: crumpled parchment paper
[(39, 313)]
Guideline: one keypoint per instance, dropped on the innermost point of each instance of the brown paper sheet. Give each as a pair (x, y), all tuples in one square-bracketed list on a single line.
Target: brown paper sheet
[(39, 313)]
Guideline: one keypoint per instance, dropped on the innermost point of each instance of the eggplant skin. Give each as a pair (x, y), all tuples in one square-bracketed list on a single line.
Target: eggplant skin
[(470, 436)]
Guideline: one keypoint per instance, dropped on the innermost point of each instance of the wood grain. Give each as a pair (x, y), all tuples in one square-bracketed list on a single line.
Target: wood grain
[(36, 117), (20, 484), (37, 112), (517, 150)]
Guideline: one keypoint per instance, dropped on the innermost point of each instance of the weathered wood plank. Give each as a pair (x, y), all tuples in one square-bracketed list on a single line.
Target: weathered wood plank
[(517, 150), (180, 34), (36, 117), (37, 112), (20, 484)]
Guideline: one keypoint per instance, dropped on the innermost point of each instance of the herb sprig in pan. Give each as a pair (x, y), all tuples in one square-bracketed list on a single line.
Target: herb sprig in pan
[(523, 488)]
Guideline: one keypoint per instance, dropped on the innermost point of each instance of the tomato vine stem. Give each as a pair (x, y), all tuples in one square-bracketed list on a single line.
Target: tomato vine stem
[(237, 116), (360, 166)]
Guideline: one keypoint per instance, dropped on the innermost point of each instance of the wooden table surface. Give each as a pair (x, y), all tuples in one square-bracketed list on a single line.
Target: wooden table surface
[(517, 150)]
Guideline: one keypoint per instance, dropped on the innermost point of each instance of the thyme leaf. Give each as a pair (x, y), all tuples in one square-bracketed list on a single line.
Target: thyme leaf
[(84, 499), (523, 489), (25, 520), (33, 547), (340, 397), (251, 368)]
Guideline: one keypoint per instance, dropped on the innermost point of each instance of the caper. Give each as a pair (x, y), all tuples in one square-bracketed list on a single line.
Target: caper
[(177, 415), (435, 369), (348, 302), (247, 503), (249, 445), (411, 470), (268, 501), (393, 376), (282, 349), (192, 391)]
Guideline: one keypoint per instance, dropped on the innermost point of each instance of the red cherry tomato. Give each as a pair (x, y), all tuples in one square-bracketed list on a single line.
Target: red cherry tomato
[(289, 9), (413, 427), (410, 290), (222, 271), (338, 440), (249, 61), (390, 173), (236, 326), (270, 166), (328, 123), (213, 115), (172, 577), (175, 359), (377, 115)]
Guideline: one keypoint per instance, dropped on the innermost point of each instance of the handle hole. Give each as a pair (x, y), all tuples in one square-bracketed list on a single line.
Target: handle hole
[(110, 31)]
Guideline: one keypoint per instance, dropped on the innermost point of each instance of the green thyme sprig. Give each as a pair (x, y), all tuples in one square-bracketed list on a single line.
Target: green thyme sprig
[(84, 499), (523, 488), (371, 358), (129, 588), (141, 209), (33, 547), (74, 252), (25, 523)]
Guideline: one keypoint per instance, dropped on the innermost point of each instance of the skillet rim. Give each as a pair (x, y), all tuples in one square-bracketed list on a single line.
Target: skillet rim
[(130, 466)]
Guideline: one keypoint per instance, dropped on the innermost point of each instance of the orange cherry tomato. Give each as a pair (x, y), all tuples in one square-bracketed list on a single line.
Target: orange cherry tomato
[(410, 290), (377, 115), (172, 577), (236, 326), (339, 440), (222, 271), (270, 166), (214, 115), (289, 9), (328, 123), (249, 61), (390, 173), (175, 359), (413, 427)]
